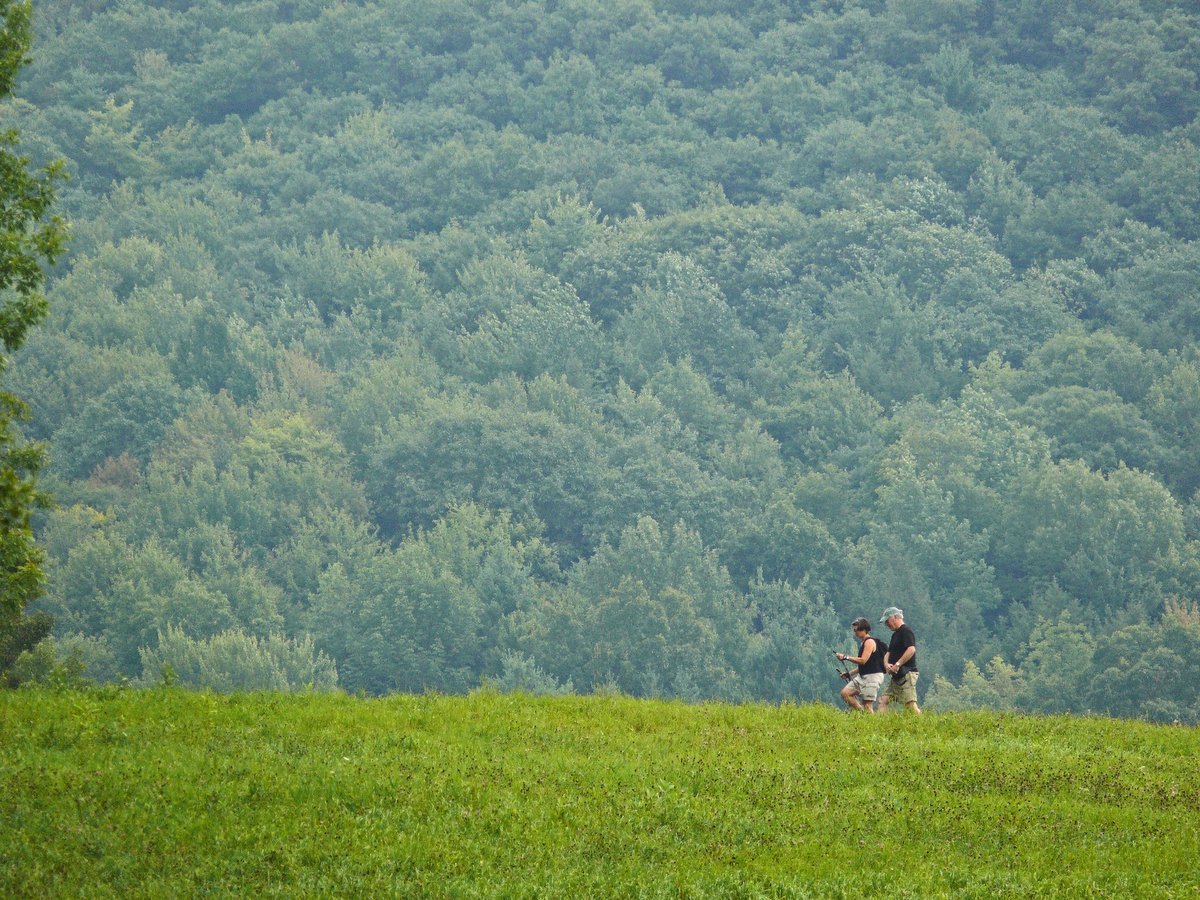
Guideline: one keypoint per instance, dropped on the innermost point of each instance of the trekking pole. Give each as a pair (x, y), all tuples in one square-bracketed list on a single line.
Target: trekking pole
[(843, 673)]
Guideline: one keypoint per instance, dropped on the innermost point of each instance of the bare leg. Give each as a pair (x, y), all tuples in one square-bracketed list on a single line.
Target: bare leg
[(851, 697)]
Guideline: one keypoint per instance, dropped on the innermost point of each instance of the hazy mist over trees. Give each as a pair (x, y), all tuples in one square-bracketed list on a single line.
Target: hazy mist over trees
[(635, 345)]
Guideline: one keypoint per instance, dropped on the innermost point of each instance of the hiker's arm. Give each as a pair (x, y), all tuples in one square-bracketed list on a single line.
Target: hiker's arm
[(909, 653), (860, 660)]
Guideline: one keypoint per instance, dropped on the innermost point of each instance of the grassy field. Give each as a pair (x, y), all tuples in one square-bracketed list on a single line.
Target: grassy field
[(166, 793)]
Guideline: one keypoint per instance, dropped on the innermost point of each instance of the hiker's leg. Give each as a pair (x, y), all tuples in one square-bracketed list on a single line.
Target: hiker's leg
[(871, 689), (910, 692), (850, 695)]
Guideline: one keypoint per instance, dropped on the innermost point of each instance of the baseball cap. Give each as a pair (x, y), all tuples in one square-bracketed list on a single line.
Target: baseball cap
[(891, 611)]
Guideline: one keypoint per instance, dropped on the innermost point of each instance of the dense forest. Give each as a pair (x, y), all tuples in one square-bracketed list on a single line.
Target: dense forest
[(629, 346)]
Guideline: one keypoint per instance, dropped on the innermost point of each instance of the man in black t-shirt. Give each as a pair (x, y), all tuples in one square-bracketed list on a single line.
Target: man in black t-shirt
[(900, 662)]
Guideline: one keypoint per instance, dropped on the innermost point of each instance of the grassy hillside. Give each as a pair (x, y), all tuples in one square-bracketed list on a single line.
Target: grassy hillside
[(171, 793)]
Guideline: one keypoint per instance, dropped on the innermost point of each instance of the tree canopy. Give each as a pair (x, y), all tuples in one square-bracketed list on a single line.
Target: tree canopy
[(640, 344)]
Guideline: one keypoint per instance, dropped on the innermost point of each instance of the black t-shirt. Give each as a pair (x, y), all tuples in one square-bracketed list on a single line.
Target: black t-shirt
[(902, 639), (874, 665)]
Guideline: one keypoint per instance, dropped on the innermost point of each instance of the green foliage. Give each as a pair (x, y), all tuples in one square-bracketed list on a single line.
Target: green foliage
[(1097, 536), (19, 635), (520, 673), (235, 661), (1139, 671), (815, 416), (633, 346), (661, 615), (44, 665), (31, 239), (679, 315), (795, 630), (1154, 302), (435, 612)]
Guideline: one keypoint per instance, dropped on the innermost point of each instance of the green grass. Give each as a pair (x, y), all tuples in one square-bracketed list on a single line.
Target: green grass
[(168, 793)]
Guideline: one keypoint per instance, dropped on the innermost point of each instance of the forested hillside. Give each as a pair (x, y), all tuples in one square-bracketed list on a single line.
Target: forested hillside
[(631, 345)]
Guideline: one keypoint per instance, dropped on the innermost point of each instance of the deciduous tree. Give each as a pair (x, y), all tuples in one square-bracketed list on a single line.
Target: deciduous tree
[(31, 238)]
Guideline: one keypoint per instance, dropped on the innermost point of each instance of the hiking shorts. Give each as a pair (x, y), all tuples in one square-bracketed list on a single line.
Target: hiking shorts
[(905, 691), (867, 686)]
